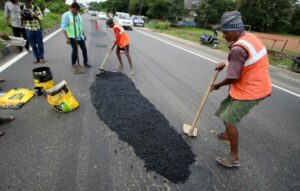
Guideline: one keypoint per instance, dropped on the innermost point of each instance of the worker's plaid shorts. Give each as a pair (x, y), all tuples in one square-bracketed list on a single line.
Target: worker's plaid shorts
[(232, 111)]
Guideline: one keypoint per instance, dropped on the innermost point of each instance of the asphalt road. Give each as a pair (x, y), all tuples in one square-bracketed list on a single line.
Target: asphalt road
[(46, 150)]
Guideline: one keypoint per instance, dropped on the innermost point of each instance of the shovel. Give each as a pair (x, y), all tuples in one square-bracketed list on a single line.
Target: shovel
[(191, 130), (78, 69), (101, 68)]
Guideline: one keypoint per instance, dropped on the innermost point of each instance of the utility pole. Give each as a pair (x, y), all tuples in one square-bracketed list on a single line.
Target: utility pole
[(141, 7)]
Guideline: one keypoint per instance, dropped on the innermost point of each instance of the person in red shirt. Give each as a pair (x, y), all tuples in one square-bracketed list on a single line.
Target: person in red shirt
[(122, 41)]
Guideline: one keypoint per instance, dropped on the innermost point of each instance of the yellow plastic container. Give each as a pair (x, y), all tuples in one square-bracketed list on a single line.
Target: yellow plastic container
[(61, 99)]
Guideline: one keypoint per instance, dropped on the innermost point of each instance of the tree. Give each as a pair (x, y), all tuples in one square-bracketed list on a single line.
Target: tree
[(158, 9), (295, 21), (94, 6), (267, 15), (40, 3), (211, 11), (176, 10), (134, 6), (118, 5)]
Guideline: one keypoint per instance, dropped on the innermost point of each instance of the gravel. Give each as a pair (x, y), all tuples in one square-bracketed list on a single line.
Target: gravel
[(122, 107)]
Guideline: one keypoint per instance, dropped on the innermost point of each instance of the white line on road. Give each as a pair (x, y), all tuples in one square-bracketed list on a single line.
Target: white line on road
[(214, 61), (285, 90), (19, 56)]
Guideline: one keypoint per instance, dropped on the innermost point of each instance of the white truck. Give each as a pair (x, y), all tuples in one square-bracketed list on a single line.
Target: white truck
[(123, 19)]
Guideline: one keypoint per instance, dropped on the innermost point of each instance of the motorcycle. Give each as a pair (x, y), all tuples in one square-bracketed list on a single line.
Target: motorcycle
[(211, 40), (296, 64)]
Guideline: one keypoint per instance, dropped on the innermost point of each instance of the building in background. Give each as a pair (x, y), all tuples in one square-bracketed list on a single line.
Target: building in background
[(189, 3)]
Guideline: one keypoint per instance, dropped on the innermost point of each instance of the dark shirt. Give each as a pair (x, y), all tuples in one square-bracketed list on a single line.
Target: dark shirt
[(236, 58)]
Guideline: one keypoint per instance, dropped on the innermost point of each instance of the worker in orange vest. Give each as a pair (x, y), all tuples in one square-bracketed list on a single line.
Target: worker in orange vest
[(248, 79), (122, 41)]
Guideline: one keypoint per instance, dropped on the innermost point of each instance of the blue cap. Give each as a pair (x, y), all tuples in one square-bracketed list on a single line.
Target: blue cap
[(232, 21)]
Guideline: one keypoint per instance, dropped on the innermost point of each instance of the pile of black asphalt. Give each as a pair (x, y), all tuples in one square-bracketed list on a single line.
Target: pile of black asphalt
[(122, 107)]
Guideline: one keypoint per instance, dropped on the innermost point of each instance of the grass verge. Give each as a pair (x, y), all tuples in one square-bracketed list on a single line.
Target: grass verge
[(50, 20)]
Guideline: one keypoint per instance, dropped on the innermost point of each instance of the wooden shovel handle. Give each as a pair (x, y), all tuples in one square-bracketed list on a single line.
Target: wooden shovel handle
[(75, 32), (204, 100), (105, 58)]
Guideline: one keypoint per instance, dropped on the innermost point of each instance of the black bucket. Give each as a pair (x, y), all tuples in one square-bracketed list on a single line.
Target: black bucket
[(42, 74), (43, 79)]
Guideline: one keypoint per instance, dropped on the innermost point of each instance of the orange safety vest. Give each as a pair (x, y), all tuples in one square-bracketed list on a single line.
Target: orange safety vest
[(254, 82), (124, 38)]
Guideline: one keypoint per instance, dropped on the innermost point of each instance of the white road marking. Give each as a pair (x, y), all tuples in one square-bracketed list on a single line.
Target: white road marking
[(214, 61), (285, 90), (19, 56)]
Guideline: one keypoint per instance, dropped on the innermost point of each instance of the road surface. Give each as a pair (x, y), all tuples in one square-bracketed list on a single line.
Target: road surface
[(46, 150)]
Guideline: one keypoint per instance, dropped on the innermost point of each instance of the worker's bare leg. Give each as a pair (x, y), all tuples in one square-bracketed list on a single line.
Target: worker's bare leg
[(233, 138), (129, 60), (120, 60)]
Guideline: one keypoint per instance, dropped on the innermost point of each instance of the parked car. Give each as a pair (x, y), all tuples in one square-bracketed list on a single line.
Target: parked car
[(102, 15), (93, 13), (123, 19), (137, 20)]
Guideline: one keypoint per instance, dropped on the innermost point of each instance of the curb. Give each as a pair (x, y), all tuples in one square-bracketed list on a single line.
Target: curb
[(13, 49)]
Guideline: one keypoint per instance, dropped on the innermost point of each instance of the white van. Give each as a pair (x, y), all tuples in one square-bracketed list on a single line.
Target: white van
[(123, 19)]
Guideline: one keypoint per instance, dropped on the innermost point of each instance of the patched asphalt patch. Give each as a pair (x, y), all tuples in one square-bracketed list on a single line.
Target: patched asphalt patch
[(136, 121)]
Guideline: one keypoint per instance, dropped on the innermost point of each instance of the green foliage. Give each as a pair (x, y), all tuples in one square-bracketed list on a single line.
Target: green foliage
[(40, 3), (211, 11), (270, 15), (158, 9), (50, 20), (283, 63), (159, 25), (295, 21), (136, 6), (117, 5), (94, 6), (176, 10), (57, 7), (3, 25)]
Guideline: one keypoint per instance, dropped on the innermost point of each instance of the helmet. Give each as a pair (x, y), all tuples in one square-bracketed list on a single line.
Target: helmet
[(109, 22)]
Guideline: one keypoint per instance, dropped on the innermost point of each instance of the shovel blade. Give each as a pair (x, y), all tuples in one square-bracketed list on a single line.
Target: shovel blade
[(187, 129), (78, 70), (101, 72)]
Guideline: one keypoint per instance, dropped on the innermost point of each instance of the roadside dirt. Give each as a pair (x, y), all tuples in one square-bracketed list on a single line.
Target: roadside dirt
[(280, 43)]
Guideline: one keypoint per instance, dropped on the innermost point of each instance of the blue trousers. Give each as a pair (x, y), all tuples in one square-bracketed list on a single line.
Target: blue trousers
[(82, 45), (35, 39)]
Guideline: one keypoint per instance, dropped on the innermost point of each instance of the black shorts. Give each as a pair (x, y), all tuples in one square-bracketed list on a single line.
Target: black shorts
[(125, 48)]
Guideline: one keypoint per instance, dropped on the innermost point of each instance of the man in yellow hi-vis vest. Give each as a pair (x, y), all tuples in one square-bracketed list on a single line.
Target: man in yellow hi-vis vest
[(67, 27)]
